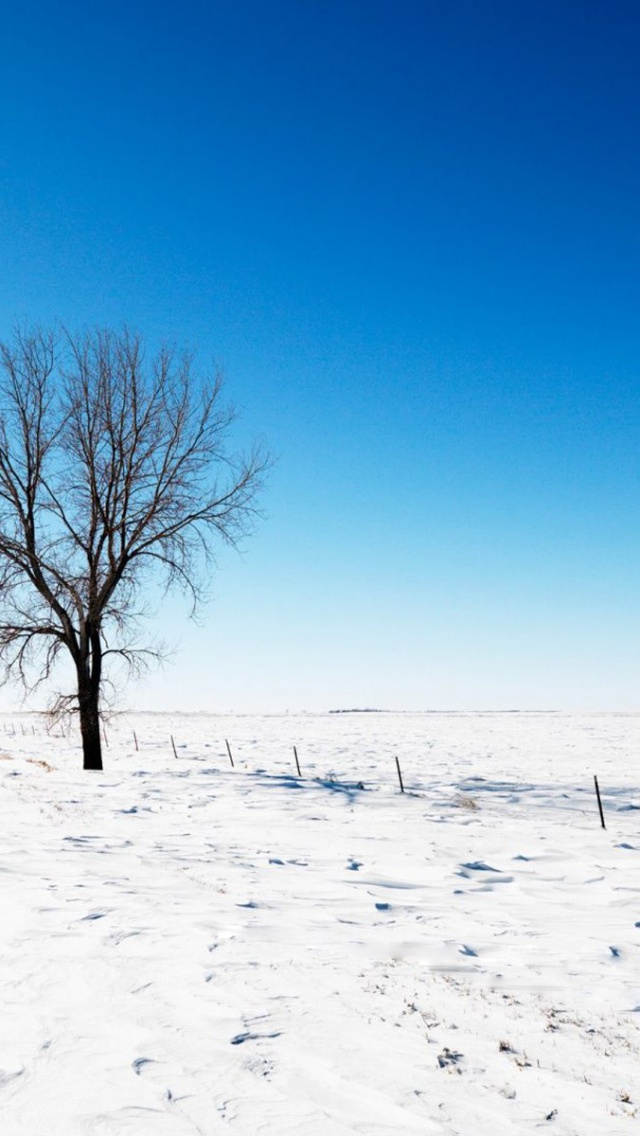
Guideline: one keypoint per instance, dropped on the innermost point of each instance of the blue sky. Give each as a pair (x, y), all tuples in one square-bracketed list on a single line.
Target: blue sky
[(409, 234)]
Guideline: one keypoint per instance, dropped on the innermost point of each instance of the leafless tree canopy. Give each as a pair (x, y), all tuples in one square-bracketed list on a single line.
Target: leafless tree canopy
[(114, 472)]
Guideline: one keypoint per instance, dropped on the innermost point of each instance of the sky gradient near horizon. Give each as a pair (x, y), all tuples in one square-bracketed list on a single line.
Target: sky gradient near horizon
[(409, 235)]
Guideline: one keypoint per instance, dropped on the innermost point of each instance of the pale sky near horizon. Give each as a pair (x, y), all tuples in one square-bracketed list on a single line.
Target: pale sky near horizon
[(408, 233)]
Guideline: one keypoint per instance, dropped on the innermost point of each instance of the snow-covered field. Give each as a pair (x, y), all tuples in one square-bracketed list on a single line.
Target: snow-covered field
[(187, 948)]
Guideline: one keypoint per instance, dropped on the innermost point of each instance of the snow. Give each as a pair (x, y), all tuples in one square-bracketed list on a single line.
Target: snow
[(187, 947)]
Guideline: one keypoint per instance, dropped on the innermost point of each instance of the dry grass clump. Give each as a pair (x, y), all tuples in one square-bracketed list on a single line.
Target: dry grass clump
[(464, 801)]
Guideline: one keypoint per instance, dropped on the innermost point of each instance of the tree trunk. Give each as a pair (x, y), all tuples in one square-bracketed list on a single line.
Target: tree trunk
[(90, 726)]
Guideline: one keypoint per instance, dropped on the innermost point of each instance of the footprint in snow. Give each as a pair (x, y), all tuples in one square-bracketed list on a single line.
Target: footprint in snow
[(247, 1035), (119, 937), (475, 870), (6, 1077), (479, 866), (139, 1064)]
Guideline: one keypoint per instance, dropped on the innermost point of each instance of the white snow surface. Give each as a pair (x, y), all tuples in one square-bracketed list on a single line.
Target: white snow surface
[(189, 948)]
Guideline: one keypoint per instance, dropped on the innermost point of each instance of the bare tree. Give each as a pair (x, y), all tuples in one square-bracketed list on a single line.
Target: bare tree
[(114, 473)]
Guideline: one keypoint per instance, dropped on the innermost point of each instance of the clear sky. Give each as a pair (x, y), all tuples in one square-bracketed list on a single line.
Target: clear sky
[(408, 232)]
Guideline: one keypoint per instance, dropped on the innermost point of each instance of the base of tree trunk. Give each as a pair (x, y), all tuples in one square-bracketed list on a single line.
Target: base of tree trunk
[(90, 730), (92, 761)]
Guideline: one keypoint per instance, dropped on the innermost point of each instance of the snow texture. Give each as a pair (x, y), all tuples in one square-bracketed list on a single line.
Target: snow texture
[(189, 948)]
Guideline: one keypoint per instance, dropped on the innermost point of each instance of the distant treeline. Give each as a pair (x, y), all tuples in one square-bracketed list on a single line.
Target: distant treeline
[(361, 710)]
